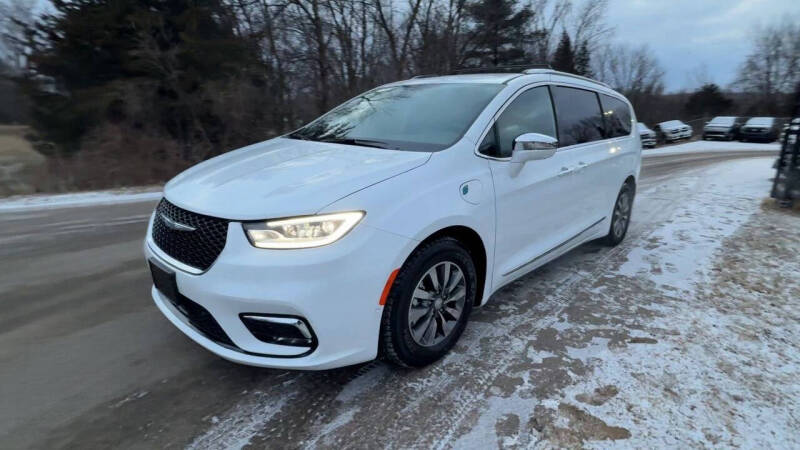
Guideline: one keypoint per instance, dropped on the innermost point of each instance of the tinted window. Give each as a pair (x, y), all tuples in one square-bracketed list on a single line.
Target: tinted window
[(531, 112), (579, 116), (617, 116), (424, 117)]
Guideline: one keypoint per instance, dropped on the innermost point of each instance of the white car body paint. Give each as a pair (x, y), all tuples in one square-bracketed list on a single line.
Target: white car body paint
[(525, 216)]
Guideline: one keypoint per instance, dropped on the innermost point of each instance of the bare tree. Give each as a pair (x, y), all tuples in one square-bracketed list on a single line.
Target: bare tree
[(773, 65), (15, 18), (589, 24), (630, 70), (399, 35)]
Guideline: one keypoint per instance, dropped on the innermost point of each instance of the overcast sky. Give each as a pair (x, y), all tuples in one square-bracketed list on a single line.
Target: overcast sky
[(688, 36)]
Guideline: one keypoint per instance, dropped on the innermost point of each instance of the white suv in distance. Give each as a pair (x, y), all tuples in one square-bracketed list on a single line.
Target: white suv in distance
[(647, 135), (375, 229), (673, 130)]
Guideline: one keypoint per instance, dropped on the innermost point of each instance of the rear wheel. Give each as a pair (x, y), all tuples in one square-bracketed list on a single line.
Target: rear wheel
[(621, 215), (429, 304)]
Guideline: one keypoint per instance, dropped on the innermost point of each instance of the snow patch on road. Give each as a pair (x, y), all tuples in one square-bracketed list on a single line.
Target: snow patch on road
[(242, 424), (34, 202), (711, 147), (720, 374), (679, 251)]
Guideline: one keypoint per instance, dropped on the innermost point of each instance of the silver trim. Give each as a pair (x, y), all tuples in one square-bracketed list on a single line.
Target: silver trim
[(536, 84), (572, 239), (170, 260), (563, 74), (297, 323), (174, 224)]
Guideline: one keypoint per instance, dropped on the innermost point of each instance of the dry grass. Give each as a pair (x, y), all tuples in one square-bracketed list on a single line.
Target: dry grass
[(770, 204), (20, 165)]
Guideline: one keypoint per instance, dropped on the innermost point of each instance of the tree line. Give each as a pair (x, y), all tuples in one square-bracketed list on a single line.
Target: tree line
[(162, 84)]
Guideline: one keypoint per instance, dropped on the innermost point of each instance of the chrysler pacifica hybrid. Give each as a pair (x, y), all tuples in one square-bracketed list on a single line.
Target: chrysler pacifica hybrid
[(377, 228)]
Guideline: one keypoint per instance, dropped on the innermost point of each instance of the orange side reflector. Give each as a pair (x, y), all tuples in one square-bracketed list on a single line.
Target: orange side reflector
[(388, 287)]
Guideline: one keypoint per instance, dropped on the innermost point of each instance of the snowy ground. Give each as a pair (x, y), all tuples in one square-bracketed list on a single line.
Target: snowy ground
[(709, 147), (44, 201)]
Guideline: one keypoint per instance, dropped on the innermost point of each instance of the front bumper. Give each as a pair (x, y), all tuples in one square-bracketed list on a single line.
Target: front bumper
[(675, 135), (757, 135), (335, 288), (716, 133)]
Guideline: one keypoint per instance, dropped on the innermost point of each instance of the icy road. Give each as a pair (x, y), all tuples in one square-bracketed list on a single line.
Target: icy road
[(686, 335)]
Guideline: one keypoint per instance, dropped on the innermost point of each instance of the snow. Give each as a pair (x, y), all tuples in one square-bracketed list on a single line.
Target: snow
[(701, 384), (240, 425), (688, 241), (119, 196), (711, 147)]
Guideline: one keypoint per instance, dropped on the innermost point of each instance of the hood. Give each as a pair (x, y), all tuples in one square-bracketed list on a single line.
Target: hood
[(284, 177), (672, 125)]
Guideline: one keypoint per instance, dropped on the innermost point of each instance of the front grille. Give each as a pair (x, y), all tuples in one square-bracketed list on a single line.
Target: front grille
[(197, 248), (202, 320)]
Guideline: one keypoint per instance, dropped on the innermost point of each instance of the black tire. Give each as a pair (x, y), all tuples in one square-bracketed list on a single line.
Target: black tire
[(397, 344), (623, 207)]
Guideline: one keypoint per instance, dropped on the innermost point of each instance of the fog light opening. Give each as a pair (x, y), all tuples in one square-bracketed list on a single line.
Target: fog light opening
[(281, 330)]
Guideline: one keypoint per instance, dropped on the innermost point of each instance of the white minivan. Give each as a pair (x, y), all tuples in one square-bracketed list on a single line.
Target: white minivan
[(377, 228)]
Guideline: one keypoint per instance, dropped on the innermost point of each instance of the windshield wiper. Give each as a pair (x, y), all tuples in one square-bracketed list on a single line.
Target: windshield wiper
[(361, 142)]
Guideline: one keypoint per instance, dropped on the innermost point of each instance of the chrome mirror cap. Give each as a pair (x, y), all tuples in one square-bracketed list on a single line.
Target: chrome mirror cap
[(533, 146)]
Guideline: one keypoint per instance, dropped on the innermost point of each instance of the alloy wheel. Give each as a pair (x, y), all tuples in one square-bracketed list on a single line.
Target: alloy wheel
[(437, 303), (622, 213)]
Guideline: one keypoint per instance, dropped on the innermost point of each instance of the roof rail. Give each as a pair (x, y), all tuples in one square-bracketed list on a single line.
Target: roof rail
[(564, 74), (517, 68), (426, 75)]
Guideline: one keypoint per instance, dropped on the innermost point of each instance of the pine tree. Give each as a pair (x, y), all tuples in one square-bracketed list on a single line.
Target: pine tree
[(564, 57), (708, 101), (149, 61), (583, 61), (499, 33)]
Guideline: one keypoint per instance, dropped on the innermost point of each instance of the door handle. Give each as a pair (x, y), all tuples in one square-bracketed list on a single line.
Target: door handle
[(565, 171)]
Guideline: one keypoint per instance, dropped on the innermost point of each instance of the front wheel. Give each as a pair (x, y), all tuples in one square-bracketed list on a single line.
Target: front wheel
[(621, 215), (429, 304)]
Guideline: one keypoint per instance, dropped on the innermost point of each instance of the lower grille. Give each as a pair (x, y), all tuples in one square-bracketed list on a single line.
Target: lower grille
[(202, 320), (193, 239)]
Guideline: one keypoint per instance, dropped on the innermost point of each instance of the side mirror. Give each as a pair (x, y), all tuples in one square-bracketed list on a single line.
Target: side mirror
[(532, 146)]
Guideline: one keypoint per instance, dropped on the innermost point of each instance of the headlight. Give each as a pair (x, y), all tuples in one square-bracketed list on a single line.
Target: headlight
[(301, 232)]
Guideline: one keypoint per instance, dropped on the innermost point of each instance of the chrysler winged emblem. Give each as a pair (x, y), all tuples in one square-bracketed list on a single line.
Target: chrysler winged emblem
[(175, 225)]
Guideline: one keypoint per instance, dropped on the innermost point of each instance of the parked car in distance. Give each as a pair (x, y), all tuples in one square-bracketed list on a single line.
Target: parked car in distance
[(723, 127), (647, 135), (759, 129), (673, 130), (376, 228)]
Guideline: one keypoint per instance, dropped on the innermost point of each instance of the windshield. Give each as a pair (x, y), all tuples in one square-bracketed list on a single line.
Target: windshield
[(417, 117), (722, 120)]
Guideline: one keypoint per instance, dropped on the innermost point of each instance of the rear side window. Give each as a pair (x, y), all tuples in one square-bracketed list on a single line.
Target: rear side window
[(617, 116), (579, 117), (531, 112)]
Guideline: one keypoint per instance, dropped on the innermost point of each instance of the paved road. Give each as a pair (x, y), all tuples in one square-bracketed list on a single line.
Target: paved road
[(87, 360)]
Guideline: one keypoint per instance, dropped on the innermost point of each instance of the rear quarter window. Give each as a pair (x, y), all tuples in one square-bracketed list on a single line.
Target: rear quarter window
[(617, 116)]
